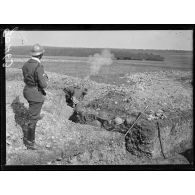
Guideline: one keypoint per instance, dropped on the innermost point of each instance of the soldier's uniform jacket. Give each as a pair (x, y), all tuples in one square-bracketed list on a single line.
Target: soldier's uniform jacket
[(35, 80)]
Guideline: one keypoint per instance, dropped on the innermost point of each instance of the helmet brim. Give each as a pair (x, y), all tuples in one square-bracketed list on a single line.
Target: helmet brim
[(33, 53)]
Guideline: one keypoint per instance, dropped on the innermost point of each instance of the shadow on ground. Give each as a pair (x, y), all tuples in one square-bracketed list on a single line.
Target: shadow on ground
[(23, 156), (189, 155), (21, 113)]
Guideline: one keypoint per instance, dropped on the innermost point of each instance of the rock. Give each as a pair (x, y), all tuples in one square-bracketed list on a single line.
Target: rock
[(48, 146), (118, 120), (151, 117), (158, 114), (49, 163), (103, 115), (160, 111), (96, 123), (74, 161), (129, 120), (59, 159)]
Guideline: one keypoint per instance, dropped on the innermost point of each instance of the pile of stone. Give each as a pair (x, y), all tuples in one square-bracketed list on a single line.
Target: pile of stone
[(156, 115)]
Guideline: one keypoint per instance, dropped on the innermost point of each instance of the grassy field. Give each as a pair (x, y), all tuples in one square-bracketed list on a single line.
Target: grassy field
[(85, 52), (79, 67), (74, 62)]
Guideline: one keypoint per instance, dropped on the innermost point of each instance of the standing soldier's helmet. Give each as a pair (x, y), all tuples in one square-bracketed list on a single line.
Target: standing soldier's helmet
[(37, 50)]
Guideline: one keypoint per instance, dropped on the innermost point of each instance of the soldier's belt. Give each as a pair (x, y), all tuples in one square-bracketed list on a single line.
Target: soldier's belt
[(31, 86)]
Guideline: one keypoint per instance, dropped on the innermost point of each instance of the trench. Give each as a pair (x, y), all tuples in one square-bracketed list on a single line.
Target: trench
[(96, 114), (103, 112)]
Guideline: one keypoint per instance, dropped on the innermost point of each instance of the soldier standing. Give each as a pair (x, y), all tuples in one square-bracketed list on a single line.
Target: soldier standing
[(35, 81)]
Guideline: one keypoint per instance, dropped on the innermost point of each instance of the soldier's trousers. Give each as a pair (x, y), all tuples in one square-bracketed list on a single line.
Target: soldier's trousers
[(34, 112)]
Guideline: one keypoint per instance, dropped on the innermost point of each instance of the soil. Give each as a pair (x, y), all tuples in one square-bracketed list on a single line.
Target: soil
[(96, 139)]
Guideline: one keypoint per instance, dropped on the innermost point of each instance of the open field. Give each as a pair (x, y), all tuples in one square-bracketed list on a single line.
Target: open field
[(79, 67), (85, 52), (172, 58)]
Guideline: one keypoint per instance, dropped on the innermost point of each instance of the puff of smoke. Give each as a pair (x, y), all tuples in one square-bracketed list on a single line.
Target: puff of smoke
[(96, 61)]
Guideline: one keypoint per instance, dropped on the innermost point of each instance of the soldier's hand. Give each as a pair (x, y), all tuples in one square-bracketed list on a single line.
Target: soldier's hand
[(46, 76)]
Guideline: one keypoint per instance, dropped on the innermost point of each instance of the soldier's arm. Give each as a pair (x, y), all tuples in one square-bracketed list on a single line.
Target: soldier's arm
[(41, 76)]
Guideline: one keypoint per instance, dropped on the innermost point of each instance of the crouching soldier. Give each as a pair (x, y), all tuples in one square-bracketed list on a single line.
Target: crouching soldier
[(35, 81)]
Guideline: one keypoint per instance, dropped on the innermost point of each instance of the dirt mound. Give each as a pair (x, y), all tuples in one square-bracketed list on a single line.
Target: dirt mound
[(143, 139)]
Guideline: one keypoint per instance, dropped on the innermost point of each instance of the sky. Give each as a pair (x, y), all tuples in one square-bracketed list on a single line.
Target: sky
[(128, 39)]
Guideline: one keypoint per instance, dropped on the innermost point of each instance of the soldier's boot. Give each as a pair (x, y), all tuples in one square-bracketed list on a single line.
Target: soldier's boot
[(26, 141), (25, 136), (31, 145)]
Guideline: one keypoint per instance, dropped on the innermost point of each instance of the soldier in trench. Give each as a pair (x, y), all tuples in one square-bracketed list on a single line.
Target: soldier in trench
[(35, 81)]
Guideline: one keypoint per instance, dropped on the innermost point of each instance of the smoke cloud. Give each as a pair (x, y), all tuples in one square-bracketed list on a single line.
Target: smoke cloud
[(96, 61)]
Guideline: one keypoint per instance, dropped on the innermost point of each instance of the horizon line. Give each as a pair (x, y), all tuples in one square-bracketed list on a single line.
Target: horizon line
[(104, 48)]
